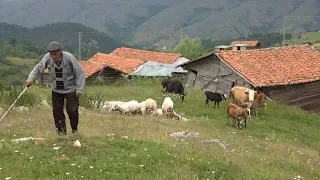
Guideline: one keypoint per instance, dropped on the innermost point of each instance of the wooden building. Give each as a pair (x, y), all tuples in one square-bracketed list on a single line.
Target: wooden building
[(288, 74), (116, 66)]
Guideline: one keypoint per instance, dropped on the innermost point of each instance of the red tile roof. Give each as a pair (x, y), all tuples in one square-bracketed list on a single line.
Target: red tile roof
[(88, 67), (91, 67), (161, 57), (249, 43), (275, 66), (123, 64)]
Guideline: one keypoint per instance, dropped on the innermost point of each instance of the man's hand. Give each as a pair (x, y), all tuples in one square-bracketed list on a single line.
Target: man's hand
[(28, 83), (78, 94)]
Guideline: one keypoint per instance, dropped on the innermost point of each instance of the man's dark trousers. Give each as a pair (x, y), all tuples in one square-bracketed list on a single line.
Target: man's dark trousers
[(72, 107)]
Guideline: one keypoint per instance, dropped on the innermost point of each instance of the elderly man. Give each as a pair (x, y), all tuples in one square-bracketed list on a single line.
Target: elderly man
[(68, 81)]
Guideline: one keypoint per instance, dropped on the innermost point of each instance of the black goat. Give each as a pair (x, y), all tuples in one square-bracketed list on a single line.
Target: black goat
[(216, 97)]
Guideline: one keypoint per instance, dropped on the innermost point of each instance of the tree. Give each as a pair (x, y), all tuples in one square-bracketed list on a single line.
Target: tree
[(13, 41), (2, 55), (189, 47), (89, 48)]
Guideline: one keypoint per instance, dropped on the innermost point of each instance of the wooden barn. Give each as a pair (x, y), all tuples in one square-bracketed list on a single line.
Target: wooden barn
[(103, 68), (289, 74), (115, 66)]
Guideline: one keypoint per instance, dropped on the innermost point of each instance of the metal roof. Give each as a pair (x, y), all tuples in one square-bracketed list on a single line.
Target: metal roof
[(223, 46), (151, 68)]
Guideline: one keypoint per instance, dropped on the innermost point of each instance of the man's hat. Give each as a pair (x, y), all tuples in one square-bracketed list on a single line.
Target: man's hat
[(54, 46)]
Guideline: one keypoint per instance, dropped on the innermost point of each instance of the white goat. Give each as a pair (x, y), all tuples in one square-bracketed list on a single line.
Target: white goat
[(142, 106), (130, 107), (179, 117), (167, 107), (109, 105), (150, 105)]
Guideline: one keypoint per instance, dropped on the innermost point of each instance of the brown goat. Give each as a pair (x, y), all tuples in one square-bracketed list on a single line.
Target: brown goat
[(238, 114)]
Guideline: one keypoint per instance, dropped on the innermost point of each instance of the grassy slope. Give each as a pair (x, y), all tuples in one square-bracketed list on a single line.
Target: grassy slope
[(282, 144), (312, 38), (308, 37), (24, 67)]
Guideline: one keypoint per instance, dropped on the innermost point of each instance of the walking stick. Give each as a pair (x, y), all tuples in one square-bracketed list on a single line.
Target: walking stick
[(13, 103)]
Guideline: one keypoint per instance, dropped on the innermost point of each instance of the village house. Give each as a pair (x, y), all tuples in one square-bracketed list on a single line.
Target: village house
[(289, 74), (245, 45)]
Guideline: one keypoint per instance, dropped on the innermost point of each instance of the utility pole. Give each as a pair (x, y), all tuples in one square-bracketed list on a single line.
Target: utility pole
[(181, 34), (284, 30), (79, 56)]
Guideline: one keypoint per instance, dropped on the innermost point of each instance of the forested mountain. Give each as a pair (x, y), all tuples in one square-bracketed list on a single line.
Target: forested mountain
[(67, 33), (164, 22)]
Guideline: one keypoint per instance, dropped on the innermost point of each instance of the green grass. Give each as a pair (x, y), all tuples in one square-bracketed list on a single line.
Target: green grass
[(23, 61), (282, 144), (15, 71), (304, 38)]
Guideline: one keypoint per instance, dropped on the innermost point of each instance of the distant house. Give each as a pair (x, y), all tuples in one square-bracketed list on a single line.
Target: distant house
[(244, 45), (163, 62), (288, 74)]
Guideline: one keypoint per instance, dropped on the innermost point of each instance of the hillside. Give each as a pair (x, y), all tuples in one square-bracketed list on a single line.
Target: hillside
[(312, 38), (92, 41), (282, 144), (146, 22), (15, 71)]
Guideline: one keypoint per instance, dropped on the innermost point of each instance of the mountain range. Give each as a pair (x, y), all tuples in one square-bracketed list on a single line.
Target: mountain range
[(165, 22)]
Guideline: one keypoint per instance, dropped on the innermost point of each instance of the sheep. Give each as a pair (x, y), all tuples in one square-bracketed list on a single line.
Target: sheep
[(142, 106), (150, 105), (109, 105), (130, 107), (167, 107), (238, 114)]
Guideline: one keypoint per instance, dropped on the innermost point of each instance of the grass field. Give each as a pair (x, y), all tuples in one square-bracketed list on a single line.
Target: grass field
[(16, 70), (283, 143), (304, 38)]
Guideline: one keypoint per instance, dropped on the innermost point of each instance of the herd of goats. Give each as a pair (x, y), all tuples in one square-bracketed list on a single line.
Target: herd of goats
[(244, 100)]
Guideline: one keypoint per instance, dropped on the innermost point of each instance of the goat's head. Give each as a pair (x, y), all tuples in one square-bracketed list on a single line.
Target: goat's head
[(224, 96), (182, 96)]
